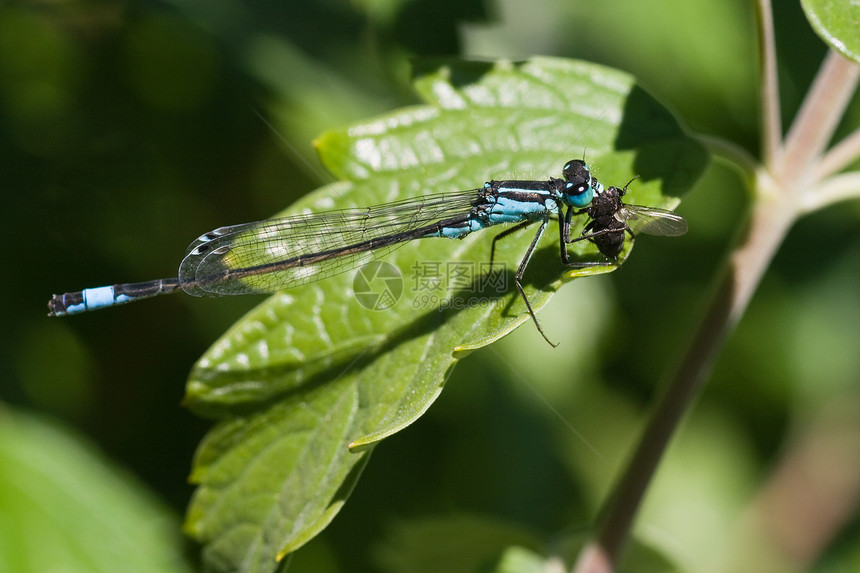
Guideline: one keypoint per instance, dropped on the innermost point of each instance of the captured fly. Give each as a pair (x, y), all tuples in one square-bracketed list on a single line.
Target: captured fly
[(611, 218)]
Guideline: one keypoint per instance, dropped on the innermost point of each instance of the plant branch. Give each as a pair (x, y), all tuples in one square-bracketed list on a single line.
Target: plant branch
[(769, 221), (810, 494), (840, 155), (838, 188), (771, 123), (817, 119)]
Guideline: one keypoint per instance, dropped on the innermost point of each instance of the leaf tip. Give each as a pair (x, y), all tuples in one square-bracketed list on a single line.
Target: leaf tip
[(461, 352), (364, 443)]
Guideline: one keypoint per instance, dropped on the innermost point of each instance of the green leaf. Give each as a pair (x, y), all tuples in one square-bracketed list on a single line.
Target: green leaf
[(460, 544), (837, 22), (311, 379), (645, 556), (520, 560), (66, 509)]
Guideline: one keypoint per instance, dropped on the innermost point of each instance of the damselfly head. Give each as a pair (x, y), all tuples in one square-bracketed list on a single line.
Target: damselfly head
[(576, 169), (577, 187)]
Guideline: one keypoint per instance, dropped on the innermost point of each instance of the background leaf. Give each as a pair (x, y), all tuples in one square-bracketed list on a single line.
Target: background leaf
[(310, 373), (838, 24), (66, 509), (460, 544)]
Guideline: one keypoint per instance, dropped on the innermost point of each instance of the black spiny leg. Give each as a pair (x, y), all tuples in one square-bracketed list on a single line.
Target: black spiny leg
[(503, 234), (564, 239), (564, 233), (602, 232), (610, 247), (523, 264), (521, 271)]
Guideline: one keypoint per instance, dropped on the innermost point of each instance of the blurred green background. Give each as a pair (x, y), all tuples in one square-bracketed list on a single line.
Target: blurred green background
[(129, 128)]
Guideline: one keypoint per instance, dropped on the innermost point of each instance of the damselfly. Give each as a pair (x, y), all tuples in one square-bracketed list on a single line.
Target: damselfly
[(283, 253)]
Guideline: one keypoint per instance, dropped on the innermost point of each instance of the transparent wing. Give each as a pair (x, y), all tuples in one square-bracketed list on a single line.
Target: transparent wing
[(278, 254), (653, 221)]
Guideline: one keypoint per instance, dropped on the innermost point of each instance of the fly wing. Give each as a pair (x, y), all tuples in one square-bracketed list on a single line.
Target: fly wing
[(283, 253), (653, 221)]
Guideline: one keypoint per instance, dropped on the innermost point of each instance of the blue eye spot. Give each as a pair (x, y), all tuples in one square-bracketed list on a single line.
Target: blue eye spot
[(578, 195)]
